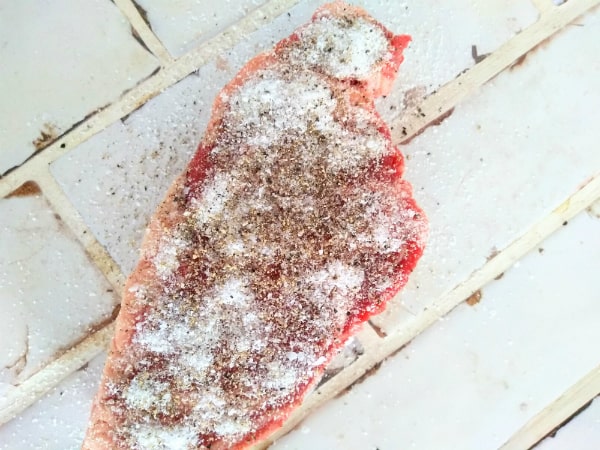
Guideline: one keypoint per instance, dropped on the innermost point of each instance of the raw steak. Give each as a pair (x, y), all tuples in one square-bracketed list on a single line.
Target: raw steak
[(290, 227)]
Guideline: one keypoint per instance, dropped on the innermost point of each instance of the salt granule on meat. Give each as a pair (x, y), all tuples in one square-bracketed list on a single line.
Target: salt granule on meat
[(290, 227)]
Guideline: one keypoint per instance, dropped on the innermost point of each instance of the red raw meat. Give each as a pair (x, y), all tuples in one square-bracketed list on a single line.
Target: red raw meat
[(290, 227)]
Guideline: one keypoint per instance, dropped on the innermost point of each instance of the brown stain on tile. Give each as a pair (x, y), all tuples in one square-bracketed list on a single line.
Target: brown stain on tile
[(48, 134), (378, 330), (93, 328), (399, 349), (143, 13), (371, 371), (493, 253), (594, 209), (474, 298), (27, 189), (498, 277), (434, 123), (521, 59), (138, 38)]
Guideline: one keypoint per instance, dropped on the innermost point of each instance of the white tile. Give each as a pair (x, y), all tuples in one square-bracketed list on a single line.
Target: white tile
[(505, 158), (60, 62), (117, 178), (581, 433), (444, 35), (182, 25), (50, 293), (59, 419), (476, 377)]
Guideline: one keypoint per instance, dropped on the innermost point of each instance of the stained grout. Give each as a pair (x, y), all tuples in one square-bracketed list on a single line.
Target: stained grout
[(551, 20), (145, 35), (152, 86)]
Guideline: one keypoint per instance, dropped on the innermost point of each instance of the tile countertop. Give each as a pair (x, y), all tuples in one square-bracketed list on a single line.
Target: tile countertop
[(496, 106)]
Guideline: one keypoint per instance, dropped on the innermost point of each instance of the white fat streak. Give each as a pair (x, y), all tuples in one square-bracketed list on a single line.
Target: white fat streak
[(340, 50), (157, 437)]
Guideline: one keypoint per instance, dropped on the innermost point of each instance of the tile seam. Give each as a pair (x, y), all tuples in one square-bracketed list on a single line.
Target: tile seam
[(145, 32), (98, 255), (397, 339), (415, 120), (30, 390), (555, 413), (543, 5), (137, 96), (437, 101)]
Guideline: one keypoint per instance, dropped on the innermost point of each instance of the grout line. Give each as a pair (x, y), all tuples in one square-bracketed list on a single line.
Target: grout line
[(556, 412), (572, 206), (145, 33), (16, 178), (543, 5), (28, 392), (407, 126), (147, 89), (55, 196), (385, 347), (448, 96), (328, 391)]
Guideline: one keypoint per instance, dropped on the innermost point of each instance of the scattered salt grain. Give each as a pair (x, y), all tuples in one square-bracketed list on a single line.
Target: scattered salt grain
[(144, 394), (341, 48), (155, 437), (214, 196)]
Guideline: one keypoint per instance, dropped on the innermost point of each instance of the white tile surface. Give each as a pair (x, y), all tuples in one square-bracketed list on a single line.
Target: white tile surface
[(505, 159), (117, 178), (60, 62), (183, 24), (50, 293), (58, 420), (476, 377), (581, 433)]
